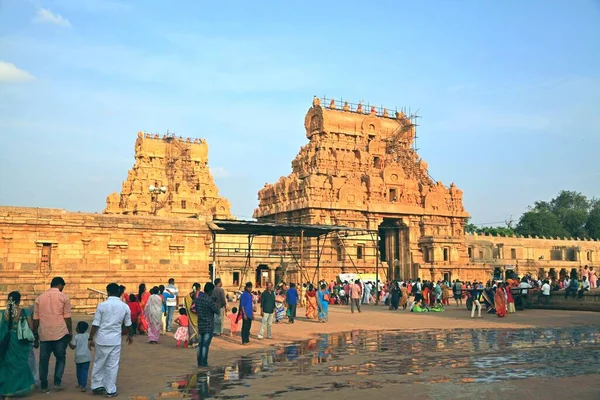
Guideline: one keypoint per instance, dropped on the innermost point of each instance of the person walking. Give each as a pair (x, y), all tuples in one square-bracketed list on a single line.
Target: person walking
[(171, 303), (218, 295), (476, 294), (83, 357), (206, 309), (52, 324), (267, 311), (153, 312), (247, 312), (291, 298), (105, 337), (417, 290), (16, 377), (355, 296)]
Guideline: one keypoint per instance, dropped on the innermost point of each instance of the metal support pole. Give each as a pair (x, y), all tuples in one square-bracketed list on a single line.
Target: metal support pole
[(301, 254), (377, 269), (214, 256)]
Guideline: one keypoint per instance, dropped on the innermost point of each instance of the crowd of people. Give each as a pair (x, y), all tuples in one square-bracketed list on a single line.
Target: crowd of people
[(200, 315)]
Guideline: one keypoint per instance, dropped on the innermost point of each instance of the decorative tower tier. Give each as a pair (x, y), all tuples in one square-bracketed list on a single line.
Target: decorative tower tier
[(170, 177)]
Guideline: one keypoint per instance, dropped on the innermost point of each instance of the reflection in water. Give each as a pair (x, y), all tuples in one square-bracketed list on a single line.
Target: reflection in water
[(485, 355)]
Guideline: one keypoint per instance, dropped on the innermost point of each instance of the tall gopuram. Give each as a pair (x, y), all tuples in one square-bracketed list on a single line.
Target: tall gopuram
[(360, 169), (177, 171)]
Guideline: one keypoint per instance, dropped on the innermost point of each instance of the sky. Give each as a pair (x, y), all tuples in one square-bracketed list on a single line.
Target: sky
[(508, 92)]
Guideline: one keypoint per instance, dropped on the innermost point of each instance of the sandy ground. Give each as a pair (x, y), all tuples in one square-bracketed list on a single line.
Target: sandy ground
[(146, 370)]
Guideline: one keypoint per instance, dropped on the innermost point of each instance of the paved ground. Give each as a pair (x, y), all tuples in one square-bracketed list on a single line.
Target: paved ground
[(146, 370)]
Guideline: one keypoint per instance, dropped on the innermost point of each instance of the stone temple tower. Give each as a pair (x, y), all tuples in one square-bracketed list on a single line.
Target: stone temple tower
[(360, 169), (178, 166)]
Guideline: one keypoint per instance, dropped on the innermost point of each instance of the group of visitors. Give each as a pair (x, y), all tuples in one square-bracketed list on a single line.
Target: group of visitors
[(50, 328)]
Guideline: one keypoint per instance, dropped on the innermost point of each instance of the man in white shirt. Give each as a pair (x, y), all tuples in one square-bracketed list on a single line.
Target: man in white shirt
[(525, 286), (110, 316), (546, 292), (171, 303), (585, 286)]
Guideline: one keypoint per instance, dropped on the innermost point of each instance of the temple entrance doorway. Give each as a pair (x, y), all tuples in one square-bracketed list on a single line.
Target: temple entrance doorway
[(262, 275), (394, 248)]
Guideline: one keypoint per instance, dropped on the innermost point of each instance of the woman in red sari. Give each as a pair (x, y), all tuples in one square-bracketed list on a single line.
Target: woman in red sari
[(510, 300), (311, 302), (142, 298), (500, 301)]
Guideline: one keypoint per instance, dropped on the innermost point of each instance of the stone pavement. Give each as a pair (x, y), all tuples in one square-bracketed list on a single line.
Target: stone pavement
[(147, 370)]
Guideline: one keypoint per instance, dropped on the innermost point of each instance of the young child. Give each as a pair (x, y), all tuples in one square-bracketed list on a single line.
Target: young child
[(82, 353), (136, 311), (182, 334), (233, 317)]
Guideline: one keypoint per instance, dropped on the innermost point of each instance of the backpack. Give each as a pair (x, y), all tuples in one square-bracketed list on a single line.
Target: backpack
[(415, 289)]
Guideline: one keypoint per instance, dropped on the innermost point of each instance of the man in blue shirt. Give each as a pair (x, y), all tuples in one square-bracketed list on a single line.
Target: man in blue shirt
[(291, 298), (246, 309)]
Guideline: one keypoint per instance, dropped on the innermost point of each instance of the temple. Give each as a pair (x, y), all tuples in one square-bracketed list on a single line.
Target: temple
[(360, 170), (178, 166), (358, 200)]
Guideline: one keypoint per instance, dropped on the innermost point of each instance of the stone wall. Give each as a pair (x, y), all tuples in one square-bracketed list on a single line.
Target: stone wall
[(536, 256), (92, 250)]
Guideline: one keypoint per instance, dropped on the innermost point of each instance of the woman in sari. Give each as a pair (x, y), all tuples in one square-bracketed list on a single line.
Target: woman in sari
[(500, 301), (445, 294), (142, 298), (395, 299), (425, 294), (404, 297), (419, 307), (153, 312), (323, 296), (16, 378), (311, 302), (188, 303)]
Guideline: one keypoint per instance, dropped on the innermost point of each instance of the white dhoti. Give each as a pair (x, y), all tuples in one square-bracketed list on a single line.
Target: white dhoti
[(163, 327), (106, 368)]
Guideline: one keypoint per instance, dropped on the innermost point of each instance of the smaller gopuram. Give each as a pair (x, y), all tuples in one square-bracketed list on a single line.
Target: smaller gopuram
[(360, 169), (170, 177)]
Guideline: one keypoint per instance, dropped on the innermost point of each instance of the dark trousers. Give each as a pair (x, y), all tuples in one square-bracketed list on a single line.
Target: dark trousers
[(546, 298), (82, 373), (204, 340), (570, 290), (418, 297), (133, 328), (59, 349), (246, 325), (292, 308)]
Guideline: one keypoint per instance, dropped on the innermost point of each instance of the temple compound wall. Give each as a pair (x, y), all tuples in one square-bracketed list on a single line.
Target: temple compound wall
[(360, 170), (92, 250), (540, 257)]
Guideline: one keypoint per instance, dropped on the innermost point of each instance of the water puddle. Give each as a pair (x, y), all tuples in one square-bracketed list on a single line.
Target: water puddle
[(371, 359)]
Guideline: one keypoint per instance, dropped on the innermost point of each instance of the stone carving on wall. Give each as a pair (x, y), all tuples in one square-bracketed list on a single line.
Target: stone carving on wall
[(180, 165)]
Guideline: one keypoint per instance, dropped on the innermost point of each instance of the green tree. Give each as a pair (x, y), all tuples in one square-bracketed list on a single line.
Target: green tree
[(540, 222), (571, 209), (592, 225)]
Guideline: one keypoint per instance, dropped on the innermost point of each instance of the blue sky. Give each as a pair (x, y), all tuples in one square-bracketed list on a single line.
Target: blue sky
[(509, 91)]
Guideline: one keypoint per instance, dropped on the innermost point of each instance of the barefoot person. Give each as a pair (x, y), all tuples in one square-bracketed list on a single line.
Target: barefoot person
[(247, 313), (267, 310), (16, 378), (52, 321), (105, 336), (206, 309)]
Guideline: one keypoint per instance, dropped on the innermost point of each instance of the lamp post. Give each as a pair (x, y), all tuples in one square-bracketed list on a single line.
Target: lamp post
[(155, 191)]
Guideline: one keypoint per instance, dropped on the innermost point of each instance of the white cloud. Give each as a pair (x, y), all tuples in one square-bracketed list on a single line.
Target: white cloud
[(220, 172), (45, 16), (10, 73)]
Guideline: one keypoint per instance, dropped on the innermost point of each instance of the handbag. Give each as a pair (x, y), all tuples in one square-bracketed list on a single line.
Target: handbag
[(24, 333)]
